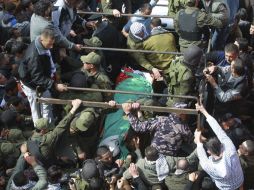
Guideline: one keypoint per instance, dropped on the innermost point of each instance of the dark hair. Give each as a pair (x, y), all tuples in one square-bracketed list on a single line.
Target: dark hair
[(238, 67), (20, 179), (214, 146), (145, 6), (18, 47), (25, 4), (9, 7), (156, 22), (41, 6), (151, 153), (11, 84), (48, 33), (232, 48), (242, 12), (54, 174), (101, 151), (14, 100), (243, 44), (207, 184)]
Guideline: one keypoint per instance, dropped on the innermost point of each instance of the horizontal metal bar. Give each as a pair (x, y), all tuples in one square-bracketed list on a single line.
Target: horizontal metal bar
[(131, 92), (119, 106), (131, 50), (123, 14)]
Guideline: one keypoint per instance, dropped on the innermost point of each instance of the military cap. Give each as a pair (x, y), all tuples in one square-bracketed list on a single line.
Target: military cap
[(95, 17), (84, 120), (91, 58), (93, 42), (8, 149), (43, 123), (192, 56)]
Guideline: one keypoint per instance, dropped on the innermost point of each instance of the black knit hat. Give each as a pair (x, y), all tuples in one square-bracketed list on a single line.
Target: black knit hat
[(192, 56), (90, 170)]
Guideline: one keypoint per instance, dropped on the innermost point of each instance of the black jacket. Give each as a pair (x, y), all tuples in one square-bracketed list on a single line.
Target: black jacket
[(35, 69)]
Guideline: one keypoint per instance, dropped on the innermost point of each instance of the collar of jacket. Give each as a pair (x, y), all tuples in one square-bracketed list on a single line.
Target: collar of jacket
[(41, 50), (158, 30)]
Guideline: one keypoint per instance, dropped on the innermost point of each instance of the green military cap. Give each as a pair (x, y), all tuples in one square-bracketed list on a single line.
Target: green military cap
[(93, 42), (84, 120), (91, 58), (43, 123), (8, 149)]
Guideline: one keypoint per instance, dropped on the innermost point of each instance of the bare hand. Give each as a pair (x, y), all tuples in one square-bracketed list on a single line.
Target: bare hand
[(76, 103), (126, 108), (30, 160), (78, 47), (119, 162), (252, 29), (23, 148), (193, 176), (112, 103), (73, 33), (61, 87), (136, 142), (211, 80), (133, 170), (156, 73), (116, 13)]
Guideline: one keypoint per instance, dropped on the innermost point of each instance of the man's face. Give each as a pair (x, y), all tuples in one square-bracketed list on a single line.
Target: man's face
[(87, 66), (230, 56), (106, 158), (242, 149), (47, 42)]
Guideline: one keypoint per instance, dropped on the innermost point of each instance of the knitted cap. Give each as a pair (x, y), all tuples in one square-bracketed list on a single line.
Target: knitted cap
[(192, 56)]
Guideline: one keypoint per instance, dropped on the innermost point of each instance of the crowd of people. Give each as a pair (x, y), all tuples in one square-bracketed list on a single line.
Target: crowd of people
[(49, 50)]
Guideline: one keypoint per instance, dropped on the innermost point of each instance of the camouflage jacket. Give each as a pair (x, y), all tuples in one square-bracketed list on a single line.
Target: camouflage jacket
[(169, 132)]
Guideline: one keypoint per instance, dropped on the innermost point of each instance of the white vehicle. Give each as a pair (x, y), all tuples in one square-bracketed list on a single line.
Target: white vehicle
[(162, 9)]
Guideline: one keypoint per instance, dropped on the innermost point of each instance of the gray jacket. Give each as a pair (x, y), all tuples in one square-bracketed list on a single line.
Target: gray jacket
[(38, 24)]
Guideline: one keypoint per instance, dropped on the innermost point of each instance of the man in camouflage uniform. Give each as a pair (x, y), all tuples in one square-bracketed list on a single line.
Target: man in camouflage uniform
[(92, 68), (169, 132), (43, 142), (174, 6), (191, 24), (218, 9), (181, 79)]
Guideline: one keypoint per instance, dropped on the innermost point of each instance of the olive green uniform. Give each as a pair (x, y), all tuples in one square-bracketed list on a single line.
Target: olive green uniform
[(177, 182), (203, 19), (174, 6), (49, 140), (180, 80), (101, 81)]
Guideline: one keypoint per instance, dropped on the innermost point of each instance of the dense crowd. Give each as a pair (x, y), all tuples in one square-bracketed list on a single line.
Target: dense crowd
[(57, 57)]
